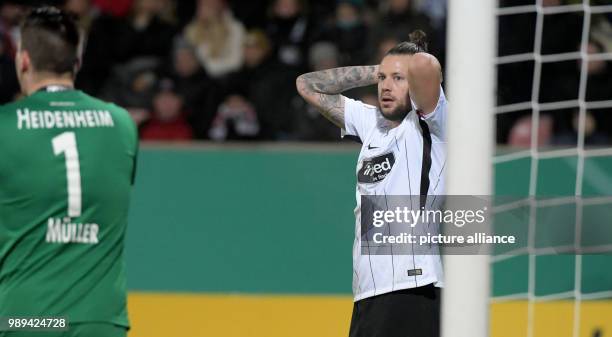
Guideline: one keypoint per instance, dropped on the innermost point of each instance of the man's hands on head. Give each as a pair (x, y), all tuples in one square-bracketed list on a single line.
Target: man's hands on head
[(322, 88), (424, 79)]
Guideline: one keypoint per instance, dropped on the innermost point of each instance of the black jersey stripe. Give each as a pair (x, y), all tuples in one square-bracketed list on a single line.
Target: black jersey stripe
[(391, 246), (426, 163), (372, 269)]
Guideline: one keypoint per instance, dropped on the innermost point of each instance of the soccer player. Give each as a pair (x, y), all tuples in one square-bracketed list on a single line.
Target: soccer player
[(66, 170), (395, 295)]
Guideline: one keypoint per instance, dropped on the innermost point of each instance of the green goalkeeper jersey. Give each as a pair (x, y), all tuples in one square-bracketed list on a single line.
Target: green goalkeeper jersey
[(66, 168)]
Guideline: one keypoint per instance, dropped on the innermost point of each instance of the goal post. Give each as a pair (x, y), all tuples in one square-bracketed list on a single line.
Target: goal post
[(470, 70)]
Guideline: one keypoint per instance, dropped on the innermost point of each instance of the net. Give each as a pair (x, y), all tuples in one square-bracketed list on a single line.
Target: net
[(558, 189)]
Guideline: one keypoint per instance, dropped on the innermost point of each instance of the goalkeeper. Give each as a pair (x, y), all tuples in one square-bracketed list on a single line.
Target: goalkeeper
[(66, 172)]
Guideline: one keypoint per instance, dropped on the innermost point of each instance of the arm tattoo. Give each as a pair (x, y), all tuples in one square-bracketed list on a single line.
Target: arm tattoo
[(337, 80), (323, 88), (332, 108)]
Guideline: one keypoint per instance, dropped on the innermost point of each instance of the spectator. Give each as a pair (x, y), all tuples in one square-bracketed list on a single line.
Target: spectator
[(599, 87), (217, 36), (565, 85), (592, 132), (11, 13), (84, 11), (200, 93), (436, 11), (290, 32), (236, 119), (167, 12), (398, 18), (310, 124), (520, 133), (145, 34), (323, 55), (132, 85), (347, 33), (266, 85), (383, 46), (601, 30), (558, 80), (113, 41), (168, 118), (599, 72), (116, 8)]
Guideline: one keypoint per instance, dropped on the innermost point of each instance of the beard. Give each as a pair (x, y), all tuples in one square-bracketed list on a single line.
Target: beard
[(400, 111), (397, 114)]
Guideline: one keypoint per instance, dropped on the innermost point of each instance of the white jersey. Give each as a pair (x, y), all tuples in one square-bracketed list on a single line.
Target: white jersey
[(401, 149)]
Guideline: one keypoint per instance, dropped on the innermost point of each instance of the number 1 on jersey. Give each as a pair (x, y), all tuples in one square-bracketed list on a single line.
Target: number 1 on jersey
[(66, 143)]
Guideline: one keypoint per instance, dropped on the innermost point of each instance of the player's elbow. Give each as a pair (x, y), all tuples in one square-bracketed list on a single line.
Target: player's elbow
[(298, 81), (302, 86), (423, 65)]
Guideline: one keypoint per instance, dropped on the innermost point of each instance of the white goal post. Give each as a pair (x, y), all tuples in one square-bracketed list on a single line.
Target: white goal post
[(470, 69)]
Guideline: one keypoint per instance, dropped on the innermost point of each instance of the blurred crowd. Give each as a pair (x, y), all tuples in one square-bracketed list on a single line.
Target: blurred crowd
[(225, 69), (559, 87)]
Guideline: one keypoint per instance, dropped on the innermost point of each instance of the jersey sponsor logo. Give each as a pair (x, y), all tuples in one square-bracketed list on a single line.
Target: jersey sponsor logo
[(64, 231), (32, 119), (376, 169)]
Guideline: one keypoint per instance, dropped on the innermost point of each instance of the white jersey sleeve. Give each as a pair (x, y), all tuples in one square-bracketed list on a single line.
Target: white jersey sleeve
[(359, 118), (436, 121)]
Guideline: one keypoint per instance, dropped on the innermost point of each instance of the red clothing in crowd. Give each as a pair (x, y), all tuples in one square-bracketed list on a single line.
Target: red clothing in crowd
[(171, 130), (118, 8)]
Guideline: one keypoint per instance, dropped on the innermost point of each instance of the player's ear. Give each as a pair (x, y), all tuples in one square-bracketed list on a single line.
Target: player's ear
[(24, 62), (77, 65)]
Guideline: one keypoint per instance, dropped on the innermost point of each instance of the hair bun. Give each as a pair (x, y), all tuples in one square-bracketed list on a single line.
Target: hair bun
[(419, 38)]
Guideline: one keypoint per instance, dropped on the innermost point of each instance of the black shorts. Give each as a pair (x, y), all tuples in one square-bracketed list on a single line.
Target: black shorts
[(403, 313)]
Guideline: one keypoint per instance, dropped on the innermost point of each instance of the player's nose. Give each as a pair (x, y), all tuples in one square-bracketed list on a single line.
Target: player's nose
[(386, 85)]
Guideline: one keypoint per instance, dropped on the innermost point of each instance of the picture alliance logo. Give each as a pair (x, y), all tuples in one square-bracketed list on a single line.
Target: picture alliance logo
[(376, 169)]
